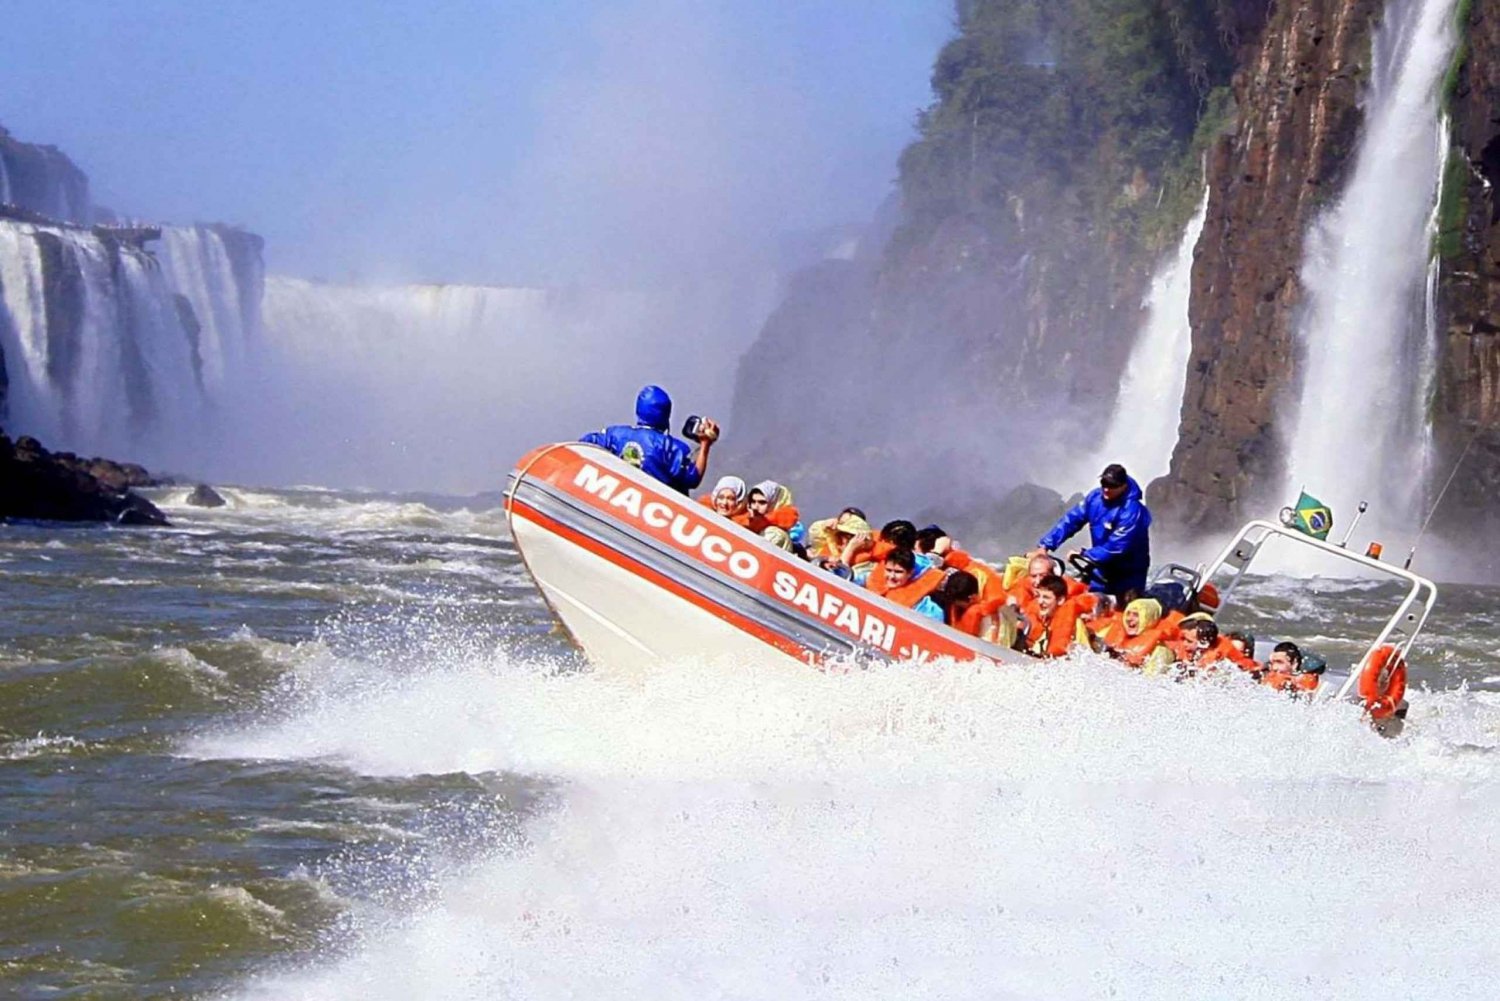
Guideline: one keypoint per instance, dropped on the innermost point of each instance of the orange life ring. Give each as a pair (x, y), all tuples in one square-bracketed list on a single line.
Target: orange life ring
[(1382, 682)]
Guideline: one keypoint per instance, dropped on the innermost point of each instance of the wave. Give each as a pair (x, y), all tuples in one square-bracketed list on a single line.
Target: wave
[(942, 830)]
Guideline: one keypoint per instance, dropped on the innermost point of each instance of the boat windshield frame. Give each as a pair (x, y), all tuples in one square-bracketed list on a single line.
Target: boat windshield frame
[(1399, 631)]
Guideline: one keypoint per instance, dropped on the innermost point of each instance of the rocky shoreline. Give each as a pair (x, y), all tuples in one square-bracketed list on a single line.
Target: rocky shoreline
[(36, 484)]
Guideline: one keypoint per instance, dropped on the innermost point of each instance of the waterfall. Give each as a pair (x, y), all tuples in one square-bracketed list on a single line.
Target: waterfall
[(5, 196), (1359, 425), (1143, 429), (97, 357), (223, 283), (1426, 385)]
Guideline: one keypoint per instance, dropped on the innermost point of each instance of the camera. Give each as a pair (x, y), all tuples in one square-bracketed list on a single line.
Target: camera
[(692, 428)]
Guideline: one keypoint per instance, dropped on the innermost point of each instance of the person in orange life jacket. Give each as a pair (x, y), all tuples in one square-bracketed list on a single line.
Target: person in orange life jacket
[(1287, 671), (966, 608), (1135, 637), (898, 534), (782, 514), (1051, 622), (728, 498), (649, 444), (1040, 567), (1203, 649), (899, 580), (775, 522), (1119, 530), (894, 535)]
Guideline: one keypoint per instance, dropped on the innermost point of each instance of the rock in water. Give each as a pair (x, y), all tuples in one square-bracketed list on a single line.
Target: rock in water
[(204, 495), (36, 484)]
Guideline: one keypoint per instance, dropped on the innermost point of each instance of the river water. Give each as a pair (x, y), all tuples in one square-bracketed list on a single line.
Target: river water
[(322, 745)]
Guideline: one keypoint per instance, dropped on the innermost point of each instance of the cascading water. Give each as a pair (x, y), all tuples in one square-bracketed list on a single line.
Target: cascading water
[(1358, 432), (97, 357), (5, 196), (1143, 429), (223, 284)]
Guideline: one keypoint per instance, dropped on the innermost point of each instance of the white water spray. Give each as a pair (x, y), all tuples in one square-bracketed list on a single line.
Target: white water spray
[(1359, 425), (1143, 429), (935, 831)]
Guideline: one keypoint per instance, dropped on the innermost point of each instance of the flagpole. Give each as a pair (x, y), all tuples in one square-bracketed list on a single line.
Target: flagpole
[(1363, 505)]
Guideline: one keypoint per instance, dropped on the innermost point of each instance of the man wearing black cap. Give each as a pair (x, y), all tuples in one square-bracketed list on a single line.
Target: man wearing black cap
[(1120, 530)]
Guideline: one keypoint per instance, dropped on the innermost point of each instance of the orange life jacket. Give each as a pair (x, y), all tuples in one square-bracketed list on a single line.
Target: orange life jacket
[(991, 583), (971, 621), (1290, 681), (1222, 651), (913, 591), (784, 517), (1133, 650), (1054, 637)]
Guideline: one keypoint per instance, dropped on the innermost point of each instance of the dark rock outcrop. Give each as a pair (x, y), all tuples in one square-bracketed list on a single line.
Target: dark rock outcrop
[(1007, 525), (204, 495), (1466, 404), (37, 484), (1298, 118)]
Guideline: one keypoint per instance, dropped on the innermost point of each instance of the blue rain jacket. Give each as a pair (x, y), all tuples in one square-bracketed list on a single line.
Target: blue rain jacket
[(648, 445), (1121, 536)]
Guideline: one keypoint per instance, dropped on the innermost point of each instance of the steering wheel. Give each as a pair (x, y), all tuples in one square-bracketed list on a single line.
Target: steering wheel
[(1083, 565)]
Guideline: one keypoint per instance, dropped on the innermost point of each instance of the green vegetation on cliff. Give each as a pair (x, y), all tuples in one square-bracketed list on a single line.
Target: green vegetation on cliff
[(1085, 107)]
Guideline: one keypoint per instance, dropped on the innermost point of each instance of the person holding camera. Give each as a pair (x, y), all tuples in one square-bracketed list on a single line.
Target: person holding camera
[(649, 446)]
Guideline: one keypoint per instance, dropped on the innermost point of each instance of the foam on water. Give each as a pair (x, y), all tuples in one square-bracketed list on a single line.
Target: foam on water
[(1064, 830)]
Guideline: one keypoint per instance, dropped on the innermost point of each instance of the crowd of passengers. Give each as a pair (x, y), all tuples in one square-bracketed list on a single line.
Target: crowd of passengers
[(1027, 605)]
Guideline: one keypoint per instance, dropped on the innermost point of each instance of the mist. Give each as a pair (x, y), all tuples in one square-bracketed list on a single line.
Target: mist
[(652, 169)]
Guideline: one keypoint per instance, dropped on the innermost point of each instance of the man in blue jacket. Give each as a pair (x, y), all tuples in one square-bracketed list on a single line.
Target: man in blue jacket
[(1120, 527), (649, 445)]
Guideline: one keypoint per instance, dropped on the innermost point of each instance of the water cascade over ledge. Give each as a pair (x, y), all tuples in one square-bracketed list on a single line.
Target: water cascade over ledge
[(1359, 430), (1143, 429)]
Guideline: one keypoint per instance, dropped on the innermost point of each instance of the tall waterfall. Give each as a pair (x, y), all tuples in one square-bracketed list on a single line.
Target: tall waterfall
[(108, 351), (219, 272), (1359, 428), (95, 353), (1143, 430)]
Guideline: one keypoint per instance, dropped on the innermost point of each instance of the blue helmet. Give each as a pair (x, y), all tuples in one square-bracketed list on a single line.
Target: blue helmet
[(653, 408)]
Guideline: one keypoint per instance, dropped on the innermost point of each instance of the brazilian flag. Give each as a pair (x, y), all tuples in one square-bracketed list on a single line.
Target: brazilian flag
[(1310, 516)]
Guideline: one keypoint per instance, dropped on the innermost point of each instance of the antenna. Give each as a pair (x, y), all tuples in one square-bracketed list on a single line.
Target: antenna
[(1363, 507), (1441, 494)]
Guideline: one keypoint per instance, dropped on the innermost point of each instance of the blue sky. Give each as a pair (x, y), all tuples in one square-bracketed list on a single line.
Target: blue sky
[(458, 140)]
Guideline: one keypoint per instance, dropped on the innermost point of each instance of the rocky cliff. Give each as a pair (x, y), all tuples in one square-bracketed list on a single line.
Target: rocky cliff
[(42, 179), (1290, 146), (1466, 405), (1059, 160)]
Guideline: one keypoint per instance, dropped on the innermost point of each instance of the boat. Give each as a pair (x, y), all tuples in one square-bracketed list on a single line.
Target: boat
[(639, 574)]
